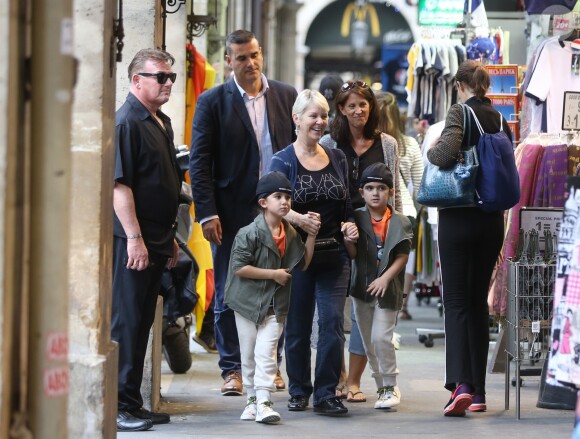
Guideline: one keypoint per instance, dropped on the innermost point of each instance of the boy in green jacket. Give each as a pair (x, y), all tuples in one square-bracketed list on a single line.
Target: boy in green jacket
[(258, 290), (378, 273)]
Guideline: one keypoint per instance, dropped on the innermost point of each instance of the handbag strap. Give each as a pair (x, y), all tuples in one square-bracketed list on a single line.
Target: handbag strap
[(466, 127), (476, 121), (479, 124)]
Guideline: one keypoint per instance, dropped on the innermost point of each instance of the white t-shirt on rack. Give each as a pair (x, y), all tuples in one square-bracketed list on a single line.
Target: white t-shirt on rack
[(552, 76)]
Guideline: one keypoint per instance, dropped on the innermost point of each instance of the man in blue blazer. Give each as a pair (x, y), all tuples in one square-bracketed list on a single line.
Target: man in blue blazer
[(237, 128)]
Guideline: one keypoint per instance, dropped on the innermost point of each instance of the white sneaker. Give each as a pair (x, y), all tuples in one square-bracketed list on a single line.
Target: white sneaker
[(266, 413), (389, 397), (396, 340), (249, 413)]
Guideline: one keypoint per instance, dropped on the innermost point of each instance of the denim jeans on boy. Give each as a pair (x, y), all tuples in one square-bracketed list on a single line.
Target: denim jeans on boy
[(326, 289)]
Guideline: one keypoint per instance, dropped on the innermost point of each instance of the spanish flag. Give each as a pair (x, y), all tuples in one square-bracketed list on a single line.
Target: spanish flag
[(200, 77), (201, 250)]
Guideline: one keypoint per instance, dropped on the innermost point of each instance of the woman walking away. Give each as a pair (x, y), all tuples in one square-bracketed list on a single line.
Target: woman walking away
[(469, 244)]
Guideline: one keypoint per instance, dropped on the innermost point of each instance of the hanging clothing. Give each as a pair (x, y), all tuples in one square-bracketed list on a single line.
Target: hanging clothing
[(552, 177), (432, 67), (551, 77)]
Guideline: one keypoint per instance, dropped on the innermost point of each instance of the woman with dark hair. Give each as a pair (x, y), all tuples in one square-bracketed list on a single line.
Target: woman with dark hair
[(411, 169), (354, 131), (469, 244)]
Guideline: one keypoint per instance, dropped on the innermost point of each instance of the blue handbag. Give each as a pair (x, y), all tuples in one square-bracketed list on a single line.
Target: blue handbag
[(453, 186)]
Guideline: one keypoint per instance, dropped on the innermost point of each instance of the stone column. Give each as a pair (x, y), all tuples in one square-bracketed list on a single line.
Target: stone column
[(175, 40), (144, 29), (140, 19), (151, 385), (286, 42), (93, 356), (13, 341)]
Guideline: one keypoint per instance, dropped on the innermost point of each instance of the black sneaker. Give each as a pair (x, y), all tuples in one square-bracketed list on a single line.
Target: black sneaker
[(297, 403), (331, 407)]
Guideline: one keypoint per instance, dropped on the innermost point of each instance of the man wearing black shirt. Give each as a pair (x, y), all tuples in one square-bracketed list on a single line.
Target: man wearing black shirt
[(145, 200)]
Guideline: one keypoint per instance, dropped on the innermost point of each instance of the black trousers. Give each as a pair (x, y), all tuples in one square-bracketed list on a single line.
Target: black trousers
[(469, 244), (134, 300)]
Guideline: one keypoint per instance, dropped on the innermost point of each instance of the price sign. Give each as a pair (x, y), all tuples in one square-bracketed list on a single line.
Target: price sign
[(571, 113), (541, 218)]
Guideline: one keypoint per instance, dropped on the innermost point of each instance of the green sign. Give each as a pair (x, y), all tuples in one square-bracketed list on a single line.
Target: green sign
[(440, 12)]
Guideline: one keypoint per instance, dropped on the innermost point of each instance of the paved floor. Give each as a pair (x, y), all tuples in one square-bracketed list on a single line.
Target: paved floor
[(199, 411)]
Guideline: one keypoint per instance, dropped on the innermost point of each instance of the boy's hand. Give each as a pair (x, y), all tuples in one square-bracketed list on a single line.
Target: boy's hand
[(281, 276), (379, 286), (350, 231)]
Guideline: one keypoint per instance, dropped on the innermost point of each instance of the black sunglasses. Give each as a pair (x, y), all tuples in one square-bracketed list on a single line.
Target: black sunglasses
[(349, 85), (355, 165), (161, 77)]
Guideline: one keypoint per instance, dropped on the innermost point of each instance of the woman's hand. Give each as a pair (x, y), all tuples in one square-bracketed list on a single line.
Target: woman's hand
[(349, 231), (310, 223)]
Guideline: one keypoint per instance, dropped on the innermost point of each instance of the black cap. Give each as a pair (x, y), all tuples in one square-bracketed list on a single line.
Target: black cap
[(377, 173), (272, 182), (330, 86)]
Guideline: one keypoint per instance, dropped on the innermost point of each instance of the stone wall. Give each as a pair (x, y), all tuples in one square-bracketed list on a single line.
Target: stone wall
[(93, 356)]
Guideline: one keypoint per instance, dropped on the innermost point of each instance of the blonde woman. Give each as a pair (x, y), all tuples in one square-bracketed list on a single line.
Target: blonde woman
[(319, 179)]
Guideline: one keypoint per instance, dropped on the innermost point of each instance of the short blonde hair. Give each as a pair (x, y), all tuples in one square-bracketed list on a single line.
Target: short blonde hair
[(307, 97)]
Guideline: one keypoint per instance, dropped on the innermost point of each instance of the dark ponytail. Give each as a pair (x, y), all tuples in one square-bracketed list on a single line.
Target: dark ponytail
[(474, 75)]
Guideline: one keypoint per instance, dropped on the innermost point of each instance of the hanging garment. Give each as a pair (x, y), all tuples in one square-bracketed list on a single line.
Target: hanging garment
[(531, 159), (552, 177), (551, 78)]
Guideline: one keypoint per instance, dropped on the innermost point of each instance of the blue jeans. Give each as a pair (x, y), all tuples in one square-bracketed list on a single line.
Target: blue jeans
[(326, 289), (355, 344), (226, 332)]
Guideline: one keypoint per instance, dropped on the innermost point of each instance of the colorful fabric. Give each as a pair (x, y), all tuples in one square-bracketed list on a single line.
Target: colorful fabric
[(572, 294), (552, 177), (528, 169), (201, 76), (573, 159), (204, 285)]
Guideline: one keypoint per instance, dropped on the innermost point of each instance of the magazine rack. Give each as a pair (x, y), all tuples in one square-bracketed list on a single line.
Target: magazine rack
[(528, 324)]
